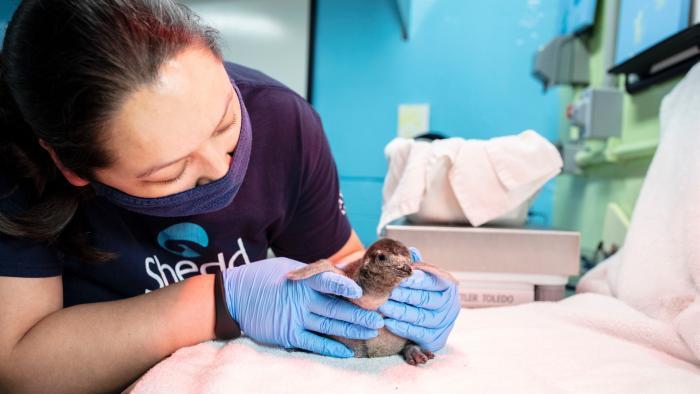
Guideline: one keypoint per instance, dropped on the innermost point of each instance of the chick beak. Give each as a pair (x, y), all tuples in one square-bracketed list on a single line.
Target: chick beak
[(406, 269)]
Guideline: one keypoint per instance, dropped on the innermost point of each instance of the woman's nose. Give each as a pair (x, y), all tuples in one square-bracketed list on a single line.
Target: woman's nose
[(215, 165)]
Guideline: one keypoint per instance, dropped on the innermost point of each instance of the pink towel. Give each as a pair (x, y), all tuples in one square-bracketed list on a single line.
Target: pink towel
[(585, 344), (658, 269)]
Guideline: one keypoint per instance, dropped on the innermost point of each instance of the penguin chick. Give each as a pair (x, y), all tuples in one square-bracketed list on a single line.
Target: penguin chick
[(384, 264)]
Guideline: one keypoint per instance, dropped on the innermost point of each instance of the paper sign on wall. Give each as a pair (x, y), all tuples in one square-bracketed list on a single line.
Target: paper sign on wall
[(414, 119)]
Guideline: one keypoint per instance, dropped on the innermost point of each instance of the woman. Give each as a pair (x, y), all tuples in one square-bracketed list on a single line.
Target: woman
[(141, 178)]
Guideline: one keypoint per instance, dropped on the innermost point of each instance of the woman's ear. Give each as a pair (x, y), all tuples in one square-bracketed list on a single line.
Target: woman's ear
[(70, 176)]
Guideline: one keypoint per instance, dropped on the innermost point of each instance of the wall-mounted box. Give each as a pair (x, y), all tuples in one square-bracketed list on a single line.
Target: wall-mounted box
[(562, 61), (598, 113)]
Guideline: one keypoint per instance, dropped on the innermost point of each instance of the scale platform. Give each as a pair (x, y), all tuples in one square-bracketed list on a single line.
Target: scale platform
[(542, 258)]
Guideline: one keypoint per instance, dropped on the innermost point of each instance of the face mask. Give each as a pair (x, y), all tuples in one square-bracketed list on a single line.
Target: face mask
[(209, 197)]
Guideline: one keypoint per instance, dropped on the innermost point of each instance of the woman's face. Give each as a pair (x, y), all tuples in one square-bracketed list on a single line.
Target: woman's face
[(177, 133)]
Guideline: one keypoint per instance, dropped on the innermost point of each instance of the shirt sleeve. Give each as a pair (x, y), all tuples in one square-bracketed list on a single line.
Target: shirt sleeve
[(27, 259), (317, 226), (22, 257)]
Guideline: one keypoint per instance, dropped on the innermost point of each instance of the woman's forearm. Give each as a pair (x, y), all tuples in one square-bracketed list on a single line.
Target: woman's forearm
[(105, 346)]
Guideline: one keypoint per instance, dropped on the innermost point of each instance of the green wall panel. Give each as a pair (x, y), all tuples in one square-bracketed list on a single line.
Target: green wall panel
[(580, 201)]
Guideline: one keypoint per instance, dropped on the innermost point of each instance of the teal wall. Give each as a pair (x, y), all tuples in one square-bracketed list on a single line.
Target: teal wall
[(469, 59), (7, 7)]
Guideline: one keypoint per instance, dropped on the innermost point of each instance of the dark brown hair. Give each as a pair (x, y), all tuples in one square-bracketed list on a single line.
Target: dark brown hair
[(66, 66)]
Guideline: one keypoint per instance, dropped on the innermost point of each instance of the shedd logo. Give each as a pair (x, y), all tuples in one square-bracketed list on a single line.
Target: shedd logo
[(181, 238), (187, 240)]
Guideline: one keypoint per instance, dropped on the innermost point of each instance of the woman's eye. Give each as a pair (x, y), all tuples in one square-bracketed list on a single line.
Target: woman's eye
[(177, 178), (226, 129), (169, 181)]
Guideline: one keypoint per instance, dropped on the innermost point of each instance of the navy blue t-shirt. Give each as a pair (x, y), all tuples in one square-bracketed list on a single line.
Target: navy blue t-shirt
[(289, 201)]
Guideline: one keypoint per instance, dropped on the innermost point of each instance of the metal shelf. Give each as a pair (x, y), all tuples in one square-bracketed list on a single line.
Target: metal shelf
[(663, 61)]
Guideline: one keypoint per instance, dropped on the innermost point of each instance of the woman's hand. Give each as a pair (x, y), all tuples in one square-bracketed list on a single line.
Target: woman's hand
[(423, 309), (273, 310)]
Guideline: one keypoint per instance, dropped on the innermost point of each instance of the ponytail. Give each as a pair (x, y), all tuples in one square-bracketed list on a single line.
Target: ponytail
[(53, 202)]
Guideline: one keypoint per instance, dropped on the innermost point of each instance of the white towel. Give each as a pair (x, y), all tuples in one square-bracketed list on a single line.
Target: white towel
[(658, 269), (457, 180)]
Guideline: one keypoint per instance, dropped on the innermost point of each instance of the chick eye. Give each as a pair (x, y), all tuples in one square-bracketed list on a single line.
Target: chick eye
[(381, 257)]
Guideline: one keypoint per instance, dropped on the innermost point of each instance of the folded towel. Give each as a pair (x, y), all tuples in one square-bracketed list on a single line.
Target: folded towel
[(457, 180), (658, 269)]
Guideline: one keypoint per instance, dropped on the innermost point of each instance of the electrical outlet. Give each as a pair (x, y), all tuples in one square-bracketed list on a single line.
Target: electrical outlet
[(414, 119)]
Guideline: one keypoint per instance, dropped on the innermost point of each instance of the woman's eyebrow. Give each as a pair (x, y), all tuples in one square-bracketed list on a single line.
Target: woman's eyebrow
[(217, 128)]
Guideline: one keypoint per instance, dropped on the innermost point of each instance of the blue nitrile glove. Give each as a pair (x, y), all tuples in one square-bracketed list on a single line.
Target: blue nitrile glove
[(423, 308), (415, 255), (273, 310)]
